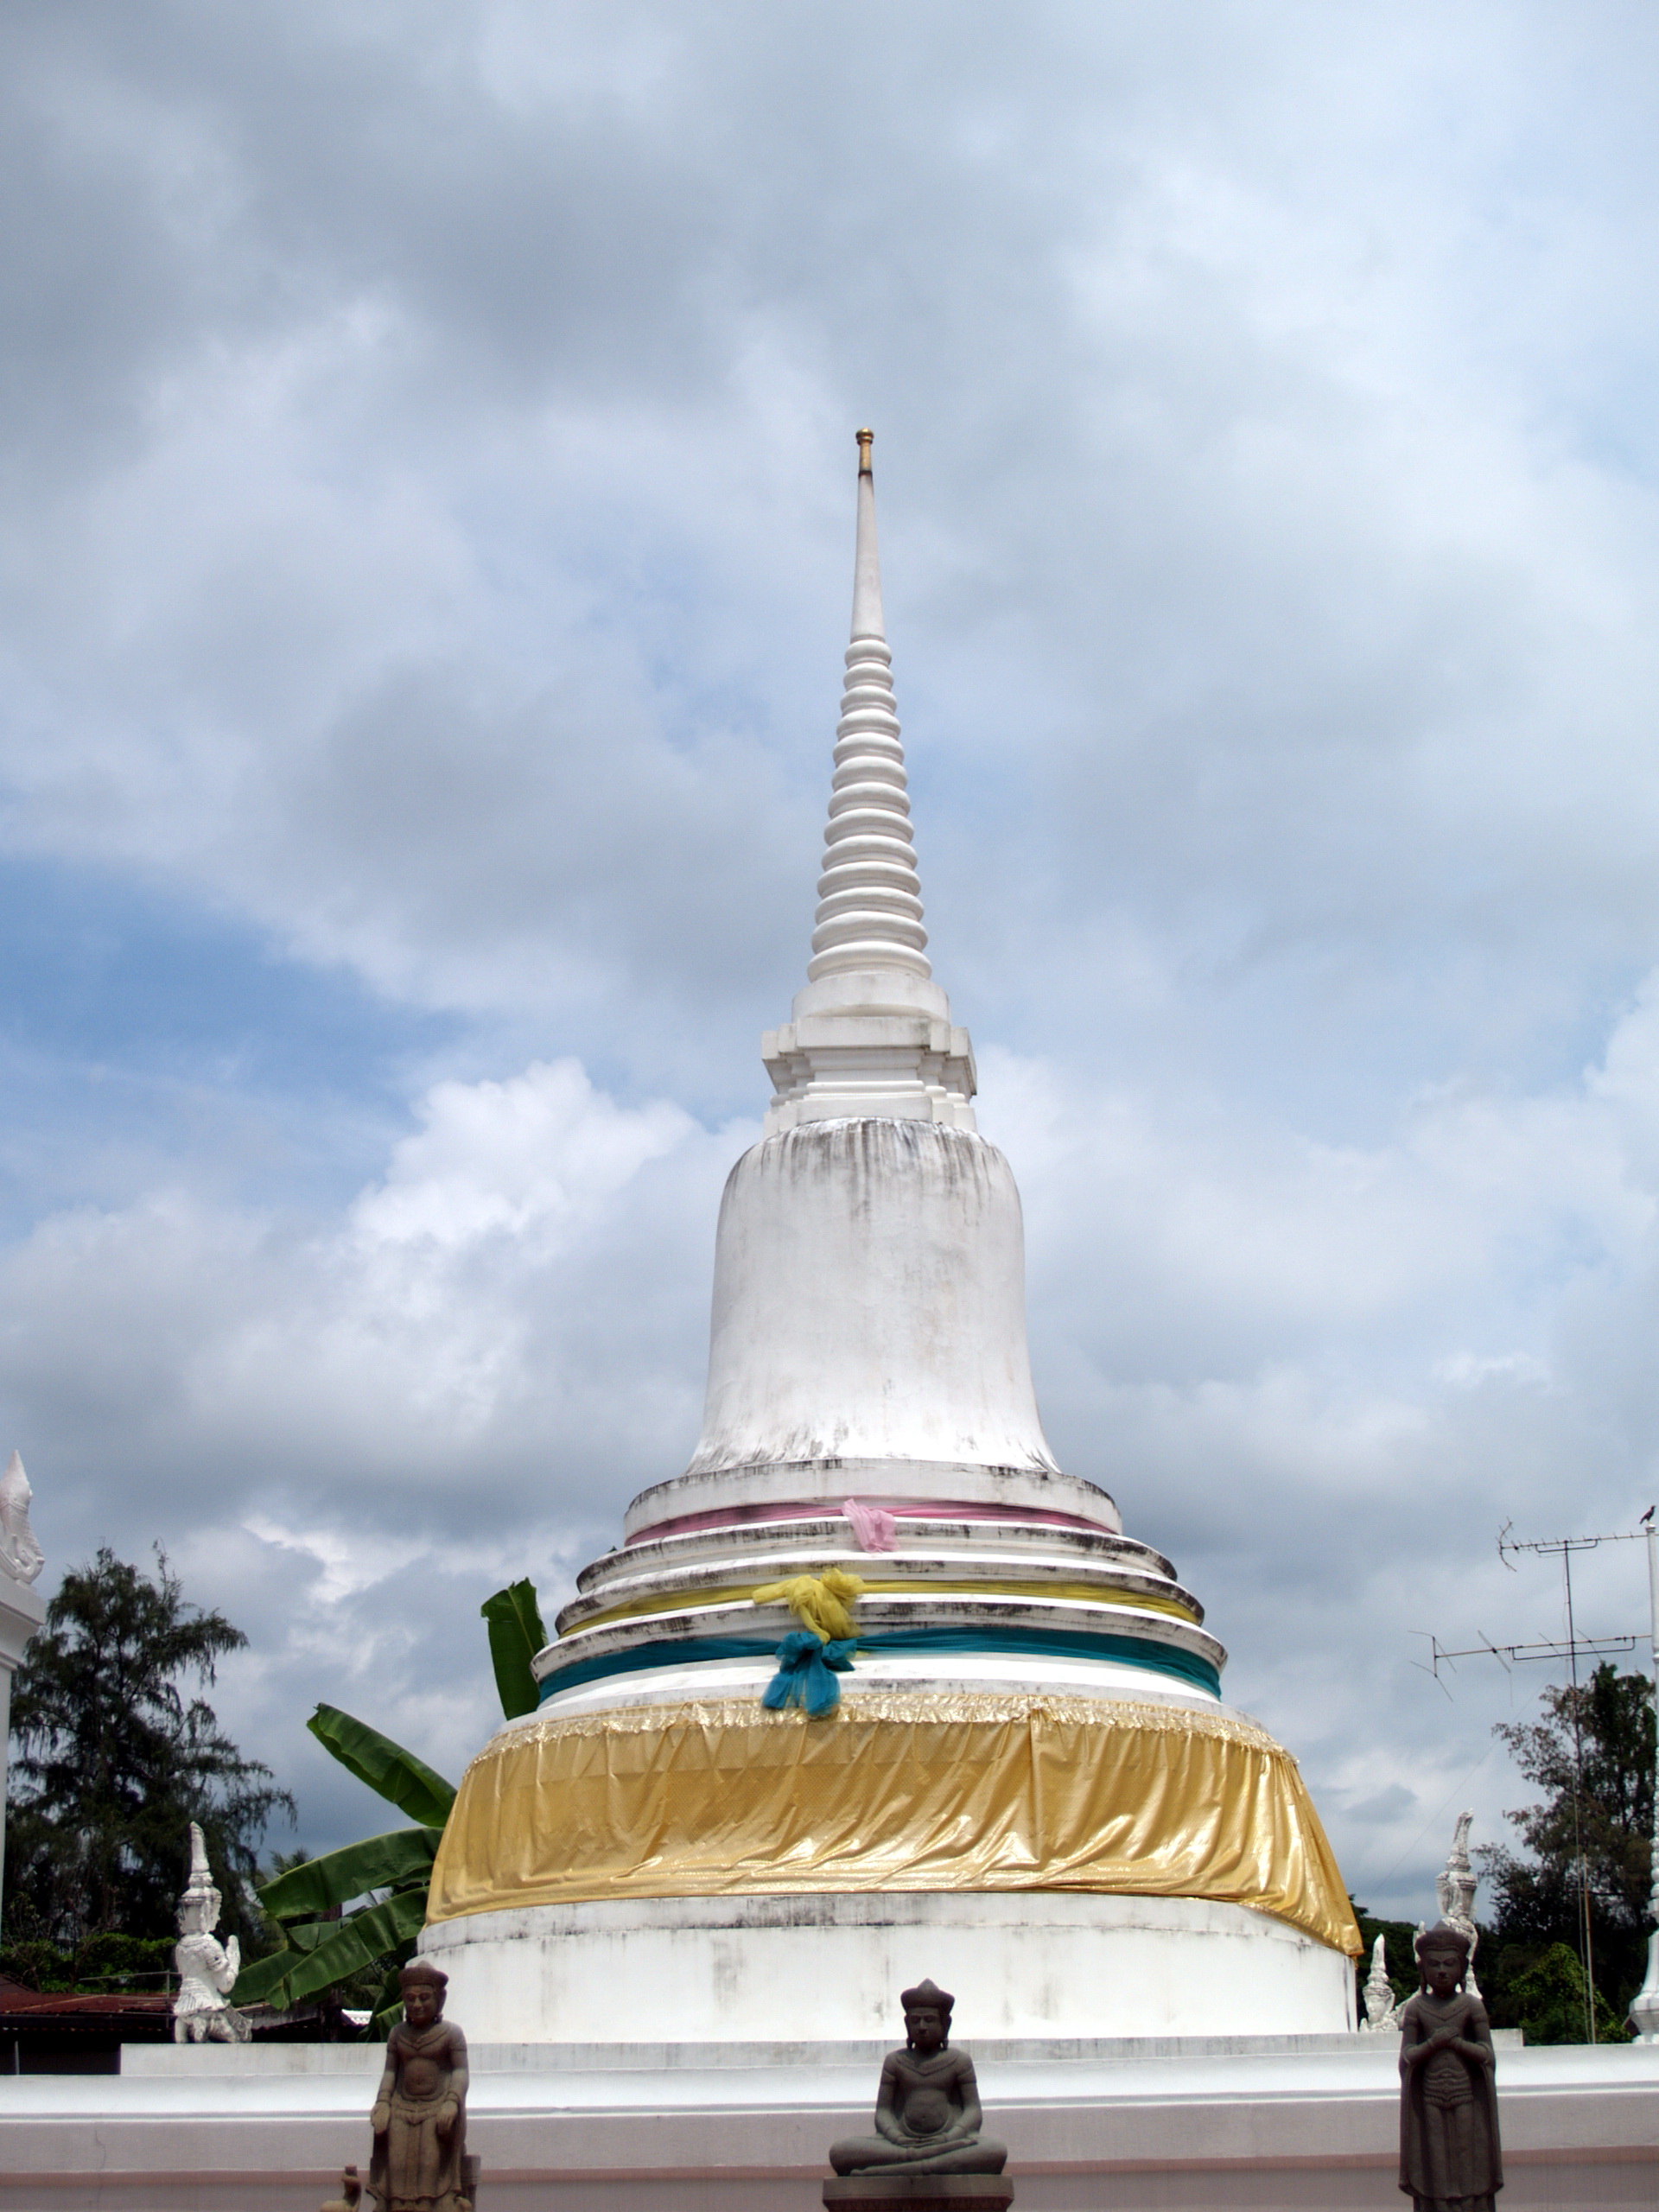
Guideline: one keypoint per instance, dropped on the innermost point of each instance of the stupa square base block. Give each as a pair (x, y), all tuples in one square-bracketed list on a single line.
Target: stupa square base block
[(920, 2192), (1026, 1964)]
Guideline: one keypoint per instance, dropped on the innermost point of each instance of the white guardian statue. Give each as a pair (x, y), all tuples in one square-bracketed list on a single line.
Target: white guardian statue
[(20, 1552), (1454, 1892), (206, 1968), (1382, 2011), (22, 1607)]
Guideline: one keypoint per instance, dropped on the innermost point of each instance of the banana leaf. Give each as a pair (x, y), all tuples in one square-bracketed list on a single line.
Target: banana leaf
[(391, 1861), (359, 1941), (388, 2008), (257, 1980), (306, 1934), (515, 1636), (390, 1771)]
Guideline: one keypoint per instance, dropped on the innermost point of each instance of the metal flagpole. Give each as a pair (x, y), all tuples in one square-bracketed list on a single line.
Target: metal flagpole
[(1644, 2006)]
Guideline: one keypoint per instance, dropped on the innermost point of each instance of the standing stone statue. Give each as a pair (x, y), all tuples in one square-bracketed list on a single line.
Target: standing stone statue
[(1449, 2156), (206, 1968), (927, 2113), (419, 2120)]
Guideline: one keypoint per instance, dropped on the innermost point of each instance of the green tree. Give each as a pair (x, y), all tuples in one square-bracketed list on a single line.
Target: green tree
[(114, 1758), (1546, 2000), (1536, 1900)]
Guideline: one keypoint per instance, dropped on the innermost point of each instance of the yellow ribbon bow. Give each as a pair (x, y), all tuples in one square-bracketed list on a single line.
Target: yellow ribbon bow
[(820, 1602)]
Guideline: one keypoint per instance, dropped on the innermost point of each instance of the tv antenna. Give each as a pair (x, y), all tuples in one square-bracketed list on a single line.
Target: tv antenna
[(1557, 1649)]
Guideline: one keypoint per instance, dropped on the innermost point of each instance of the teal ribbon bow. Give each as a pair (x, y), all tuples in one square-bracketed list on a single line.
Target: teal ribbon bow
[(805, 1674)]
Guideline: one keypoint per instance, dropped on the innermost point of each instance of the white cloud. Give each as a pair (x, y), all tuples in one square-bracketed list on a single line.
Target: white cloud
[(1263, 1346), (1254, 1344), (533, 1157), (426, 469), (457, 1381)]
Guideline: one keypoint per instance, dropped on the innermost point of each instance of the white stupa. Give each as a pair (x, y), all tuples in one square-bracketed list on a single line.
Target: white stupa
[(1005, 1761)]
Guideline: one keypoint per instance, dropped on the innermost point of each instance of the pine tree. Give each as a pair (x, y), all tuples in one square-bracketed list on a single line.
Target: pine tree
[(113, 1760)]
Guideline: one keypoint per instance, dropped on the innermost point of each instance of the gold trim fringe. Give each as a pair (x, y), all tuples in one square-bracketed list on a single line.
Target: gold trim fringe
[(912, 1790)]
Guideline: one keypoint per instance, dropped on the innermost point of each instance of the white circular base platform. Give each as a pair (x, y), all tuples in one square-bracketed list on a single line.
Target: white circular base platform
[(746, 1969)]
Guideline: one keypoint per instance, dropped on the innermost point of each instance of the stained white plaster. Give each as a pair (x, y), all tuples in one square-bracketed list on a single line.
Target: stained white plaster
[(1035, 1964), (870, 1304)]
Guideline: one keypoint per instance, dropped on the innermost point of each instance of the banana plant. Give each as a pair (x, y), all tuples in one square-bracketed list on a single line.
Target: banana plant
[(323, 1946), (514, 1621)]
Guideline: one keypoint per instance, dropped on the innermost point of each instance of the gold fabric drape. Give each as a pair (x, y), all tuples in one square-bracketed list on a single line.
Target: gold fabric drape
[(900, 1790)]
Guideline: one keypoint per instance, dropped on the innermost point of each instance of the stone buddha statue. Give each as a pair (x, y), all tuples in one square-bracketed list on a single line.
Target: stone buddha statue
[(419, 2120), (927, 2114)]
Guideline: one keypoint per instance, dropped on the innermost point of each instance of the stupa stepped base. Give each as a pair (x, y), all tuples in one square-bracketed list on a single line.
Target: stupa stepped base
[(1258, 2128), (1023, 1965)]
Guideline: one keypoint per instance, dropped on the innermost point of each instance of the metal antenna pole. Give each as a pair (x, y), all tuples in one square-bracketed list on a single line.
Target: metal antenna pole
[(1644, 2006), (1585, 1935), (1653, 1650)]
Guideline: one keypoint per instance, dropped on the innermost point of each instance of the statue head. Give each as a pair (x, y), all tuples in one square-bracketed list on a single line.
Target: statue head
[(198, 1906), (927, 2017), (1442, 1959), (423, 1987)]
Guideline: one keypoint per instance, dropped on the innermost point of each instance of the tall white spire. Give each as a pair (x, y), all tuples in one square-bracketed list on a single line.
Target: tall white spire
[(869, 895), (867, 558), (872, 1033)]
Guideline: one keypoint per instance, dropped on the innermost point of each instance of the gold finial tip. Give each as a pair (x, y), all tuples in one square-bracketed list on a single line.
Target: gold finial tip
[(866, 440)]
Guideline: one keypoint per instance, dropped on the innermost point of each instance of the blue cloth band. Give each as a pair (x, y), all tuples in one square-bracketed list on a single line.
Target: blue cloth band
[(1051, 1644)]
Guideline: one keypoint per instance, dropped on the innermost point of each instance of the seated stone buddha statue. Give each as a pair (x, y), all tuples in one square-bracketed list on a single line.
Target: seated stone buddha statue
[(927, 2114)]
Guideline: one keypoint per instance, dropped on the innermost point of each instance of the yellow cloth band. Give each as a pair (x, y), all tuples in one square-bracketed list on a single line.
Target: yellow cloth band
[(688, 1601), (901, 1790)]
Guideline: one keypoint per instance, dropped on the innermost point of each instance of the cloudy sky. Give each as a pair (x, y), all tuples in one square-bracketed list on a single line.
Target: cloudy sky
[(427, 480)]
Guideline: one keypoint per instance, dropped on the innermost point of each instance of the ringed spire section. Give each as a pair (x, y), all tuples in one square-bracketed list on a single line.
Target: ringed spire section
[(872, 1033), (869, 893)]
